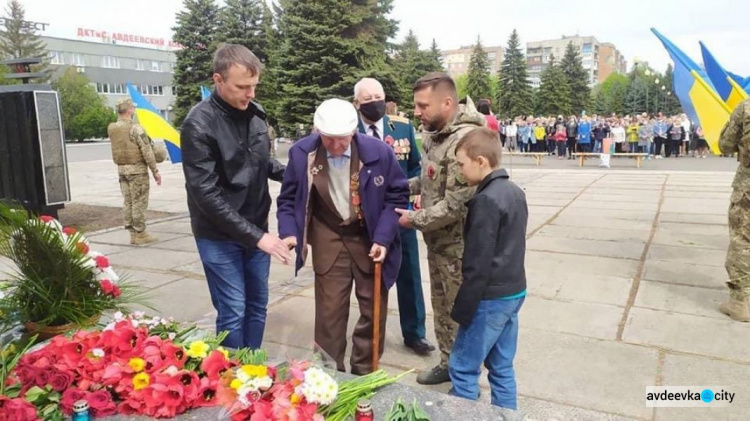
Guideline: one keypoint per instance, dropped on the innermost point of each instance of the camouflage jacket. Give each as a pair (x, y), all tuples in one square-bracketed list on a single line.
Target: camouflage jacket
[(735, 137), (444, 192)]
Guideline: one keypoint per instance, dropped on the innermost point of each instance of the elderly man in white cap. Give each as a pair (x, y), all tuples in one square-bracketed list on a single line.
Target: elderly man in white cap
[(339, 196)]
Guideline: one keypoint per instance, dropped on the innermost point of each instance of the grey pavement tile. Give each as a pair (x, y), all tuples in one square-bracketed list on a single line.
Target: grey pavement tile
[(620, 249), (171, 300), (606, 204), (544, 264), (678, 254), (122, 237), (146, 278), (683, 370), (180, 244), (533, 201), (703, 195), (680, 299), (193, 269), (597, 375), (594, 233), (583, 319), (538, 409), (685, 274), (630, 215), (108, 249), (691, 334), (686, 228), (616, 196), (180, 226), (543, 210), (146, 258), (611, 290), (583, 218), (693, 218), (697, 205), (671, 238)]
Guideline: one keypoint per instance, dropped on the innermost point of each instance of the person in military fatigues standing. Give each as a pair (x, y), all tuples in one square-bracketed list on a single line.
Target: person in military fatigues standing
[(444, 194), (133, 153), (735, 138), (398, 133)]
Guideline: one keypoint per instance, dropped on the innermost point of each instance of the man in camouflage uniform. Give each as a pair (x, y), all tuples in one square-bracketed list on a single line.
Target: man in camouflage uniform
[(736, 138), (133, 153), (444, 194)]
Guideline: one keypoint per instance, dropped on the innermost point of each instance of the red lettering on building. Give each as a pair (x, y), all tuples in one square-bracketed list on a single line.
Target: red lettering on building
[(80, 32)]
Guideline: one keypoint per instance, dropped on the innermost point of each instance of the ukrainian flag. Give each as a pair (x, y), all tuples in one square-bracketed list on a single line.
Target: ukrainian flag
[(155, 125), (697, 95), (727, 87)]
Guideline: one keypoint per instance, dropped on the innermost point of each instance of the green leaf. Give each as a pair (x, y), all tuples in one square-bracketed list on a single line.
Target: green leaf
[(417, 413), (34, 394)]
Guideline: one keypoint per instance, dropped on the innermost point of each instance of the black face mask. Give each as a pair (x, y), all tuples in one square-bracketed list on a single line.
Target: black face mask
[(373, 111)]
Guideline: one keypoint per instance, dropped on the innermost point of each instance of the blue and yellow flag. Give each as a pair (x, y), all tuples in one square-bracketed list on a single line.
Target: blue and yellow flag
[(727, 88), (155, 125), (697, 95), (205, 92)]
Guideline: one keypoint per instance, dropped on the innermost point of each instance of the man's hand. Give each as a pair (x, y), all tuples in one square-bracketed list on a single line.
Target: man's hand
[(377, 253), (275, 247), (290, 242), (418, 202), (403, 220), (157, 177)]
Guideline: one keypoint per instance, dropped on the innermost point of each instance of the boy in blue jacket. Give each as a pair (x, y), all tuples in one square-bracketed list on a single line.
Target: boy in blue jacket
[(494, 278)]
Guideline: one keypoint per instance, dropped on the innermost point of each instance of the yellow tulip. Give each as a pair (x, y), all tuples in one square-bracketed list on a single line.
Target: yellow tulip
[(137, 364), (198, 349), (236, 384), (141, 380)]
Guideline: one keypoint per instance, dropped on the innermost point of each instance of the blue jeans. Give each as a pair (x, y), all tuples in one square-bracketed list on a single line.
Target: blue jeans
[(491, 338), (238, 283)]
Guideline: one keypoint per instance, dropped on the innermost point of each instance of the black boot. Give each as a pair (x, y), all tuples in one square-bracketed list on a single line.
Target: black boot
[(435, 375)]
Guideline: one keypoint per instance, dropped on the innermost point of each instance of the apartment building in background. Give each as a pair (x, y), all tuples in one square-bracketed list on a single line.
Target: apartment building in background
[(456, 62), (611, 61)]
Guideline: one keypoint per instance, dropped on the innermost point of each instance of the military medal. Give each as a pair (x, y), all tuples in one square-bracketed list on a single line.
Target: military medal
[(354, 194), (430, 172)]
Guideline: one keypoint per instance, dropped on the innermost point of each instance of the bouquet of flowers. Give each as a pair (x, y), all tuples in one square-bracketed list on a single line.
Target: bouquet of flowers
[(59, 279)]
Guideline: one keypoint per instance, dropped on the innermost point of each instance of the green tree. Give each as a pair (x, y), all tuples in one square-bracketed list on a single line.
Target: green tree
[(85, 114), (598, 102), (410, 63), (326, 46), (434, 58), (553, 97), (479, 74), (673, 105), (241, 22), (462, 83), (20, 40), (635, 98), (614, 91), (196, 30), (515, 97), (268, 87), (578, 79)]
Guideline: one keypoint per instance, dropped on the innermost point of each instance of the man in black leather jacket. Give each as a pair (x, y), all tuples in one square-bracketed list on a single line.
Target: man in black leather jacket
[(225, 151)]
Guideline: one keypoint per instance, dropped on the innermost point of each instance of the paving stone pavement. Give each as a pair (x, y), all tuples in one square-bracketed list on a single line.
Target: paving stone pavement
[(625, 273)]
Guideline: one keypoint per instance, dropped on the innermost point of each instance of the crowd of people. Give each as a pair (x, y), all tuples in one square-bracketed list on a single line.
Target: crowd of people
[(657, 136)]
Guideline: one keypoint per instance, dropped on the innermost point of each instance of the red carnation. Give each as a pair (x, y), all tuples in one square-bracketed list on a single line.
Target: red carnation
[(69, 398), (389, 140), (107, 286), (116, 292), (69, 230), (46, 218), (101, 262), (83, 248)]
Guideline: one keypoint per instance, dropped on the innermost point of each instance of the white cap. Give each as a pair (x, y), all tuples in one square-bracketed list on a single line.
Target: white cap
[(336, 117)]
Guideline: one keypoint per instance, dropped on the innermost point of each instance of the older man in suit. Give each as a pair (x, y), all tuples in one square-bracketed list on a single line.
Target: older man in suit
[(339, 195)]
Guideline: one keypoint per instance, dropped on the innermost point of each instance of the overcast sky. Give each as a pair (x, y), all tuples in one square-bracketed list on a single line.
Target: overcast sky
[(721, 24)]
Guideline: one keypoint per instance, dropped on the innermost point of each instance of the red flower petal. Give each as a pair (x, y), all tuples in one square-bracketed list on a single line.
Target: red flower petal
[(69, 230), (101, 262)]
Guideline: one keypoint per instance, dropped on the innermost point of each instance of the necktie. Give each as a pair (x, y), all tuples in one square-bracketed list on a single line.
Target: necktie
[(374, 129)]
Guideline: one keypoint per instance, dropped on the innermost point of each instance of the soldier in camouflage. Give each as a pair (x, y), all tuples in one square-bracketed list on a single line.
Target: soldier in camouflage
[(443, 196), (133, 153), (735, 138)]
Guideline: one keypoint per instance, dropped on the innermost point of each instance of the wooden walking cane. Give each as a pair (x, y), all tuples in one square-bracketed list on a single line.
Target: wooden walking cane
[(376, 316)]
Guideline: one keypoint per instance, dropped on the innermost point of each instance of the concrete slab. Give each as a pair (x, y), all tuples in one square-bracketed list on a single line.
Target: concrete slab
[(620, 249), (697, 205), (544, 264), (181, 226), (108, 249), (543, 210), (586, 369), (186, 243), (689, 218), (148, 279), (670, 238), (582, 319), (690, 334), (686, 274), (630, 215), (709, 257), (122, 237), (634, 197), (602, 204), (680, 299), (146, 258), (688, 228), (706, 195), (171, 299), (593, 233), (577, 218), (611, 290), (539, 409), (687, 370)]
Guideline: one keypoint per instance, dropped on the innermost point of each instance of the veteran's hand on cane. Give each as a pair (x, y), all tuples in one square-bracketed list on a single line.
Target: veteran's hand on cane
[(377, 253), (403, 220), (273, 245)]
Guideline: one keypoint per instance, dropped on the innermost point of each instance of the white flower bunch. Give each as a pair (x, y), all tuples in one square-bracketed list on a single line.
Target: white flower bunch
[(318, 387), (139, 318)]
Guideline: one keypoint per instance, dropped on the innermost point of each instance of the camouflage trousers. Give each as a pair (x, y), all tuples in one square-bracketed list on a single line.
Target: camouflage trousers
[(445, 280), (134, 190), (738, 254)]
